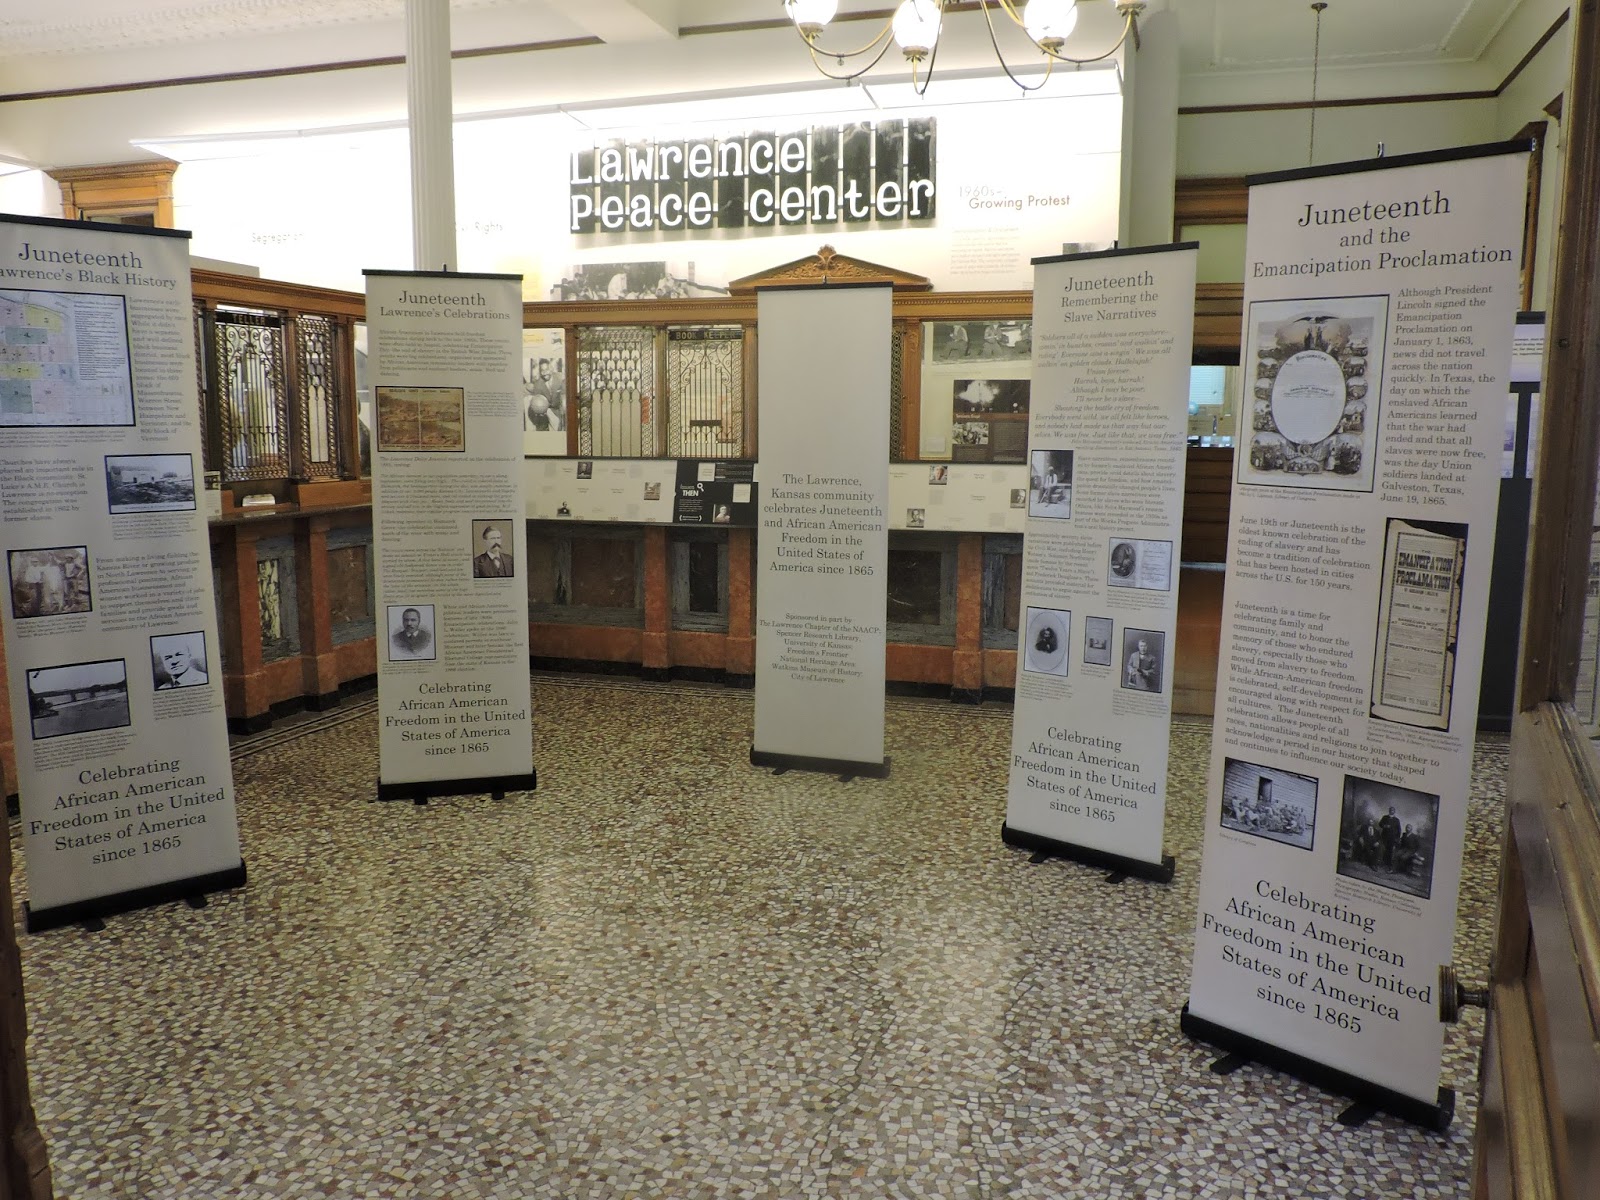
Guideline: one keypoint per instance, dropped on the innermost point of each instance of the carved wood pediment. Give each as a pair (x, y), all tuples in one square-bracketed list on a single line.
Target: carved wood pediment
[(829, 266)]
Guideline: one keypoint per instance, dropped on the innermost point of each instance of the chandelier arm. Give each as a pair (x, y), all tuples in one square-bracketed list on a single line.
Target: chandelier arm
[(847, 76), (1130, 26), (1001, 58), (883, 35), (933, 57)]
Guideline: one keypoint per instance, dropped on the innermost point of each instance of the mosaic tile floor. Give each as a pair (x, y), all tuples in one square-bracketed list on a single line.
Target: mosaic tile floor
[(665, 974)]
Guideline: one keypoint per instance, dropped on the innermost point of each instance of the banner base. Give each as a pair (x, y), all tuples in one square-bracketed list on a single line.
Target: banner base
[(37, 920), (826, 766), (421, 790), (1156, 872), (1434, 1117)]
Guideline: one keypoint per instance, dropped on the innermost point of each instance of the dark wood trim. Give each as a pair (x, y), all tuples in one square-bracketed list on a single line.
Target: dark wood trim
[(1569, 445), (353, 64), (1209, 200)]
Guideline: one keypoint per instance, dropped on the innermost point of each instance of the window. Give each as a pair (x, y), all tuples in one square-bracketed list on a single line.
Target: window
[(585, 574), (922, 588), (698, 568)]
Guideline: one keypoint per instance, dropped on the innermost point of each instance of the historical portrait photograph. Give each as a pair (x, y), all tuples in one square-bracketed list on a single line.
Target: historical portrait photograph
[(1142, 659), (544, 391), (916, 518), (1387, 834), (411, 633), (1312, 383), (1044, 645), (1139, 563), (1019, 497), (422, 420), (49, 582), (78, 698), (1097, 641), (939, 475), (586, 469), (178, 660), (1269, 803), (137, 483), (491, 549), (1050, 484)]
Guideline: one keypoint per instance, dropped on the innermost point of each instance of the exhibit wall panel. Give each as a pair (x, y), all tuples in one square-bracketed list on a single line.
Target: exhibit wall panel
[(822, 568), (126, 787), (1379, 308)]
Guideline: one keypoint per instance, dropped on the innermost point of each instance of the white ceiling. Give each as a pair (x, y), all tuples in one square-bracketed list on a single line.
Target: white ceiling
[(1231, 51), (101, 41)]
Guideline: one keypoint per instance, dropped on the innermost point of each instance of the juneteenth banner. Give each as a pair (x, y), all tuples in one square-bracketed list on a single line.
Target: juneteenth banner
[(448, 504), (124, 779), (824, 543), (1380, 299), (1112, 337)]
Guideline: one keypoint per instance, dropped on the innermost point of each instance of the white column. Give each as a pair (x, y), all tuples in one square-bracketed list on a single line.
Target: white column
[(1154, 148), (433, 173)]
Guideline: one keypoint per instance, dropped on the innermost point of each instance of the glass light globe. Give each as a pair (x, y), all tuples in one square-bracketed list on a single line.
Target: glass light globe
[(916, 26), (811, 16), (1050, 22)]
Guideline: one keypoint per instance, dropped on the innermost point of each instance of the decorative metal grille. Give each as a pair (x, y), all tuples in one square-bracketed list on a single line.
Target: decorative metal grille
[(251, 399), (897, 377), (705, 392), (617, 391), (317, 408), (200, 383)]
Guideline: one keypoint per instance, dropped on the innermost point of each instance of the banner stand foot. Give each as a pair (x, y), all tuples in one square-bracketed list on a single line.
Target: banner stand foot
[(494, 786), (90, 914), (1120, 867), (1363, 1093), (842, 767), (1117, 877), (1229, 1063), (197, 900)]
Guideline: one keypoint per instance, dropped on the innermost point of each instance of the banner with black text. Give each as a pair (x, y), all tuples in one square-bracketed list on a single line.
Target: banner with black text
[(448, 505), (1112, 339), (124, 778), (1380, 300), (823, 542)]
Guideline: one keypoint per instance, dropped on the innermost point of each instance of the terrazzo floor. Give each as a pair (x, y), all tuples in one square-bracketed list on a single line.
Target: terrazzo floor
[(666, 974)]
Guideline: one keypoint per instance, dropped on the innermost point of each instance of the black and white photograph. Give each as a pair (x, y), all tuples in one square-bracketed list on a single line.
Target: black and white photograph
[(1139, 563), (1269, 803), (50, 582), (411, 633), (986, 397), (969, 433), (422, 420), (1143, 653), (1050, 484), (137, 483), (491, 549), (586, 469), (956, 340), (1313, 373), (1019, 497), (939, 475), (544, 392), (1387, 834), (178, 660), (78, 698), (652, 490), (632, 281), (916, 518), (1097, 633), (1045, 640)]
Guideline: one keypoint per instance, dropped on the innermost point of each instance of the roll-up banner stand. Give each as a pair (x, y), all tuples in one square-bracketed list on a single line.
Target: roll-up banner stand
[(448, 505), (124, 779), (823, 540), (1112, 339), (1379, 305)]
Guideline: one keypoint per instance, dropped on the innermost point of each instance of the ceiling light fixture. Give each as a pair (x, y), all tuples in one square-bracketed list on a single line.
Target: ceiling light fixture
[(916, 24)]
